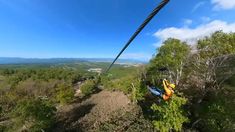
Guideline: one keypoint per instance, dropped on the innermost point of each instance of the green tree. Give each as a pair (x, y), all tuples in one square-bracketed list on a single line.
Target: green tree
[(218, 44), (172, 55), (206, 71), (169, 115), (211, 64)]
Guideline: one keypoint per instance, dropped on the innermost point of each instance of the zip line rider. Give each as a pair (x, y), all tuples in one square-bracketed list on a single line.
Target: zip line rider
[(168, 90)]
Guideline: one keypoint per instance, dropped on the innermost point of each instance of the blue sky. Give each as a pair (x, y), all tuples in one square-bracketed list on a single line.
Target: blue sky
[(100, 28)]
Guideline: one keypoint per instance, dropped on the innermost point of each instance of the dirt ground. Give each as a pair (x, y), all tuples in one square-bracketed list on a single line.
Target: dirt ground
[(90, 113)]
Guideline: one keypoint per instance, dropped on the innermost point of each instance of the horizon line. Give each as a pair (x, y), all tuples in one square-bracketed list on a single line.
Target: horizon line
[(73, 58)]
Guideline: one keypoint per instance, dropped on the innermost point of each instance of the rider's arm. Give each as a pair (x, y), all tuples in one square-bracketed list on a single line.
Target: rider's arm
[(167, 90), (167, 83)]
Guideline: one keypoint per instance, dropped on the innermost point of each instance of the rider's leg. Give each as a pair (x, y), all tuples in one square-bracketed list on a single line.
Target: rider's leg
[(155, 91)]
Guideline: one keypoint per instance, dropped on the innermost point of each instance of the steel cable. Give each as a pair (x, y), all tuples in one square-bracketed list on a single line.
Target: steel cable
[(147, 20)]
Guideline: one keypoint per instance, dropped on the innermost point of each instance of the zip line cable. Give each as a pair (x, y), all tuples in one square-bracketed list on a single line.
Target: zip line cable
[(149, 18)]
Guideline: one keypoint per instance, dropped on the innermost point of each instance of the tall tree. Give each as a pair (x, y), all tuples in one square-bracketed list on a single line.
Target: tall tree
[(171, 56), (212, 63)]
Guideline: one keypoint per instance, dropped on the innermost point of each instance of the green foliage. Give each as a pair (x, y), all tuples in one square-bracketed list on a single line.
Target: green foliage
[(170, 114), (21, 86), (88, 87), (123, 84), (212, 63), (7, 72), (171, 55), (46, 74), (216, 118), (206, 72), (20, 89), (217, 113), (65, 93), (216, 45), (119, 71), (122, 79), (130, 84), (199, 75), (138, 90), (231, 81), (128, 121), (34, 115)]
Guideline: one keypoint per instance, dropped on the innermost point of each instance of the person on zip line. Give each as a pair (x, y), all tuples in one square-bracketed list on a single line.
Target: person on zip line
[(164, 94)]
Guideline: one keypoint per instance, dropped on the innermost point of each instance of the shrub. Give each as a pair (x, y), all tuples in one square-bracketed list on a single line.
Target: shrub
[(65, 93), (131, 85), (129, 121), (214, 119), (138, 90), (34, 115), (88, 87), (169, 115), (217, 113)]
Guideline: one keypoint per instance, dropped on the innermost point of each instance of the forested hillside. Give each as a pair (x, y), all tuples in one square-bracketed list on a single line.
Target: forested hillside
[(204, 79), (204, 74), (69, 98)]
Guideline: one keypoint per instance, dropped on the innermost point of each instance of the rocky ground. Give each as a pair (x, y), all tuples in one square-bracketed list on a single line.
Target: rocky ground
[(98, 112)]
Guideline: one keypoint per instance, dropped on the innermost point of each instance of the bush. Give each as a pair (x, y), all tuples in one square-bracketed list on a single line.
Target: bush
[(34, 115), (217, 113), (88, 87), (169, 115), (128, 121), (65, 93), (138, 90), (217, 118), (131, 85)]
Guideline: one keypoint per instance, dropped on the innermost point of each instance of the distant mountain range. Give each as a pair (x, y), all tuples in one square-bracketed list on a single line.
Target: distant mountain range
[(15, 60)]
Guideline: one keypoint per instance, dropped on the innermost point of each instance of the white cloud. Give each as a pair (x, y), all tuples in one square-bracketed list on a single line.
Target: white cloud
[(198, 5), (205, 19), (191, 35), (223, 4), (187, 22), (137, 56)]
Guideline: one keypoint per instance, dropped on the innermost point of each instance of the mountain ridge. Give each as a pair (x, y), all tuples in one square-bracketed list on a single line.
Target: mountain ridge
[(19, 60)]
